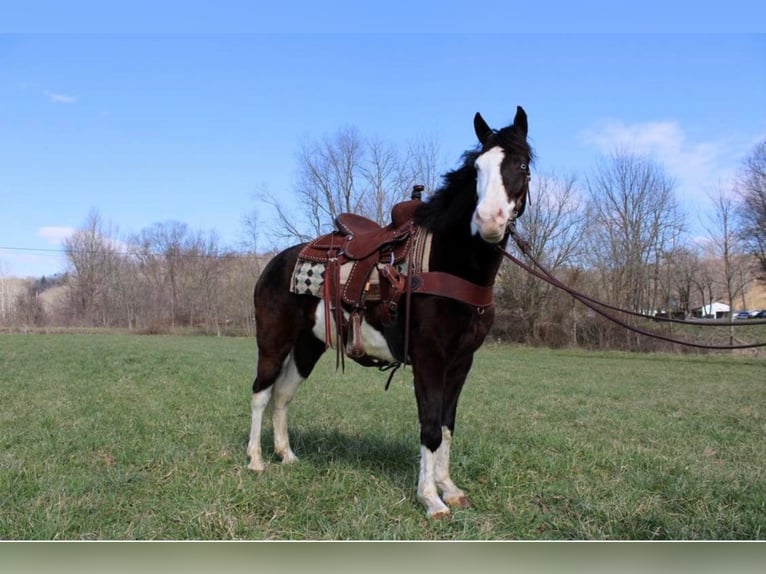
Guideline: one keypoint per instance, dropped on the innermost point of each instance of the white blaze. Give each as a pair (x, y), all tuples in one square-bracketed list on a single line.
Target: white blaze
[(493, 208)]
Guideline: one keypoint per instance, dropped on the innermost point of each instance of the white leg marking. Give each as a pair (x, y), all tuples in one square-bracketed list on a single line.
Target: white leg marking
[(258, 405), (284, 388), (451, 494), (427, 493)]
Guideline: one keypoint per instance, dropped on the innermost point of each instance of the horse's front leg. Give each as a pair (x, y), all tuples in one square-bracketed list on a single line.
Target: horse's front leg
[(434, 476), (451, 494), (429, 379), (455, 380), (427, 491)]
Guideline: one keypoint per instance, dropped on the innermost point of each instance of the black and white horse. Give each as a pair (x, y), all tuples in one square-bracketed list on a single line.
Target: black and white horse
[(469, 217)]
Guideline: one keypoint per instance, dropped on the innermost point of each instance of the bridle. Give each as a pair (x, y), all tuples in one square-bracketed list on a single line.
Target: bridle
[(523, 198)]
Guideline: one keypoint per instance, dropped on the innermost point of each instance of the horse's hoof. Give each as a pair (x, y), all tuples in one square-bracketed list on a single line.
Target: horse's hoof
[(440, 514), (289, 458), (256, 466), (460, 501)]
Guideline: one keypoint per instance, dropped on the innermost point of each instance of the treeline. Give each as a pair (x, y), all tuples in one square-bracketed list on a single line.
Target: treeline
[(166, 277), (616, 232)]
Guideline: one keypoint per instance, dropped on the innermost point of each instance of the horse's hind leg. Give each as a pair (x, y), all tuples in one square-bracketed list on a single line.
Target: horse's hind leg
[(268, 372), (281, 387), (280, 381), (284, 388), (296, 369), (258, 405)]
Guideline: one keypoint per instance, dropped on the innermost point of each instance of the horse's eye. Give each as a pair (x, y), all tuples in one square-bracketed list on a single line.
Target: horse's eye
[(523, 167)]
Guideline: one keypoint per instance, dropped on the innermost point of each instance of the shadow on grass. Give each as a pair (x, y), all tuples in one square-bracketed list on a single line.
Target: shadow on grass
[(394, 458)]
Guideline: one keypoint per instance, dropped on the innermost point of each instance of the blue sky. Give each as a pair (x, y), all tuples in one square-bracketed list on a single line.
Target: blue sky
[(187, 126)]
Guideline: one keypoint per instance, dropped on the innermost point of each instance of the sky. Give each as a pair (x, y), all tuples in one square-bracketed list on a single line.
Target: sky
[(163, 121)]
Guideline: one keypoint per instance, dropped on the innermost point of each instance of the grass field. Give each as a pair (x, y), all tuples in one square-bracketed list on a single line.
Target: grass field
[(143, 437)]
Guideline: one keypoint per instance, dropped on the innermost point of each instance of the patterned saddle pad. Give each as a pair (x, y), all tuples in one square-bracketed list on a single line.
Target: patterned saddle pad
[(309, 276)]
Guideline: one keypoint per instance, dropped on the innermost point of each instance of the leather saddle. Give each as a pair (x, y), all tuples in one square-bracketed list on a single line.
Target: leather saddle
[(365, 246)]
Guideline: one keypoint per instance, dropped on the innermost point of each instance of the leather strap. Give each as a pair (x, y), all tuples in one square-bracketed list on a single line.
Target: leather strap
[(446, 285)]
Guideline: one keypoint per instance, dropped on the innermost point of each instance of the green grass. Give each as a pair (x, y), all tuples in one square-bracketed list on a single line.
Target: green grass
[(144, 437)]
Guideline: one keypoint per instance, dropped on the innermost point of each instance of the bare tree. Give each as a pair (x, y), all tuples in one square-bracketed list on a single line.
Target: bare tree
[(203, 279), (705, 282), (727, 247), (679, 273), (250, 230), (633, 220), (752, 206), (424, 164), (384, 180), (7, 294), (349, 173), (552, 224), (160, 251), (92, 257), (327, 173)]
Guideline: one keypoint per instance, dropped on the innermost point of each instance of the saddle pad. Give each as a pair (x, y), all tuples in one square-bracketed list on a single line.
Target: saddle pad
[(308, 276)]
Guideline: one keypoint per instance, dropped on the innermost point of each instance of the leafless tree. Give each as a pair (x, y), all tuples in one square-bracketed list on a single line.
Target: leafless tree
[(727, 247), (7, 293), (384, 180), (92, 257), (424, 164), (250, 230), (159, 249), (751, 214), (328, 172), (347, 172), (633, 220), (552, 224), (678, 276)]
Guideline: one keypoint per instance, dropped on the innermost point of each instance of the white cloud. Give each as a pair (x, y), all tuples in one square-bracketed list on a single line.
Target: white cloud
[(60, 98), (697, 167), (55, 235)]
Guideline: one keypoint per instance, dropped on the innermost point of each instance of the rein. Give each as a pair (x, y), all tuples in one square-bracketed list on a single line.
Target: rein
[(598, 306)]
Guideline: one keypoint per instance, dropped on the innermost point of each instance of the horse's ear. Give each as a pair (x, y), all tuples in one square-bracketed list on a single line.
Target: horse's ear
[(520, 121), (483, 131)]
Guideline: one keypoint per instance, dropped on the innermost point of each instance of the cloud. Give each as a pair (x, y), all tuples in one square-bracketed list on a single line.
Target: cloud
[(55, 235), (697, 167), (60, 98)]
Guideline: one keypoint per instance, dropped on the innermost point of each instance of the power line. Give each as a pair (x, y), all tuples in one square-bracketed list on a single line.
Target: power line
[(38, 249), (181, 254)]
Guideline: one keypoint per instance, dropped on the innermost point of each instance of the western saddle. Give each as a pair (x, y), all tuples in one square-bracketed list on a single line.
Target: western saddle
[(377, 264)]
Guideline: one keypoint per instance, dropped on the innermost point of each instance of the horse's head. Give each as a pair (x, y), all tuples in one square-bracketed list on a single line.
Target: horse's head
[(502, 176)]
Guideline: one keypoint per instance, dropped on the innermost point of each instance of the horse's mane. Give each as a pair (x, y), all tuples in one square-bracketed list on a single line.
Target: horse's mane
[(454, 202), (451, 202)]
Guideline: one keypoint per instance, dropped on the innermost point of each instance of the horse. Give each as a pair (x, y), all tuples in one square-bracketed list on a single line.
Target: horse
[(469, 217)]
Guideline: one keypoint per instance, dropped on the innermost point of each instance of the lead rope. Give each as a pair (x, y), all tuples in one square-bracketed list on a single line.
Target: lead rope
[(596, 305)]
